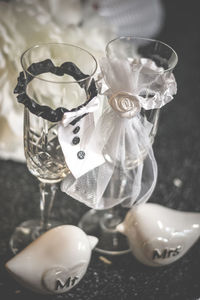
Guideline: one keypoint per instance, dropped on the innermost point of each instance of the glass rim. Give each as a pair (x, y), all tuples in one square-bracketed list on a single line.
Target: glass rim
[(146, 39), (61, 44)]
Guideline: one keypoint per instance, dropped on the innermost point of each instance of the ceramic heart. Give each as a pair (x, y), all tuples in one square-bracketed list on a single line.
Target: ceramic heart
[(55, 262), (158, 235)]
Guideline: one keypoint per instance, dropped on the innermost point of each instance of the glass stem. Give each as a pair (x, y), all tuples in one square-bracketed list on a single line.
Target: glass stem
[(108, 225), (47, 195), (111, 219)]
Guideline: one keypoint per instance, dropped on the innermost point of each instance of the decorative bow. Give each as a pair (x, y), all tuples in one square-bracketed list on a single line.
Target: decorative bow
[(70, 116)]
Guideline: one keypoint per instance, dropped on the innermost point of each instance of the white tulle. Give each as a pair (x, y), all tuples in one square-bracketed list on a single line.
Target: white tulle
[(124, 176), (129, 173), (140, 77)]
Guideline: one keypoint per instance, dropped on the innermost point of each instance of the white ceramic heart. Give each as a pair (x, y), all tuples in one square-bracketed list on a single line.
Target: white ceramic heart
[(55, 262), (158, 235)]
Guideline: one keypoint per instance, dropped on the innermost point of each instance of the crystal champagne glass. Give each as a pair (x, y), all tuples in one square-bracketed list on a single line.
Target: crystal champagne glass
[(102, 223), (43, 152)]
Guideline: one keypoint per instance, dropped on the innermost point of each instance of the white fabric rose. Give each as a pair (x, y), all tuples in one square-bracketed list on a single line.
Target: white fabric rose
[(125, 104)]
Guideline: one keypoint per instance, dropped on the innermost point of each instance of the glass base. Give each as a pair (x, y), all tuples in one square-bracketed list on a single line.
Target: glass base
[(27, 232), (102, 224)]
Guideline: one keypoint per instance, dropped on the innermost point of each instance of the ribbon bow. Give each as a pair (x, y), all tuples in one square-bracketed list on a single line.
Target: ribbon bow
[(70, 116)]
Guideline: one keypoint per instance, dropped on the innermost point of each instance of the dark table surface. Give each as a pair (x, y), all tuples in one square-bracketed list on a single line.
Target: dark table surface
[(177, 149)]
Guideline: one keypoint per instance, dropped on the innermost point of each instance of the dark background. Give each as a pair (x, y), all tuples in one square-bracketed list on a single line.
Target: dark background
[(177, 149)]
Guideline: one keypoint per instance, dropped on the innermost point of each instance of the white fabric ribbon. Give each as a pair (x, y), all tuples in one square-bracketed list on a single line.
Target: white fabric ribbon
[(128, 171), (68, 117)]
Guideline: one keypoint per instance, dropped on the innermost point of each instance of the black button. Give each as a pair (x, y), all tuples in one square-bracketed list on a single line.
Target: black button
[(76, 140), (81, 154), (76, 130)]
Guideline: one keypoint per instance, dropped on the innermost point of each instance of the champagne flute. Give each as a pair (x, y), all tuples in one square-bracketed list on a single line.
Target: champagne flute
[(102, 224), (44, 155)]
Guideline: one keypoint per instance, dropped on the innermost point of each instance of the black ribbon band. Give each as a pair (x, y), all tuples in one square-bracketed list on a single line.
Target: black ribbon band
[(47, 113)]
